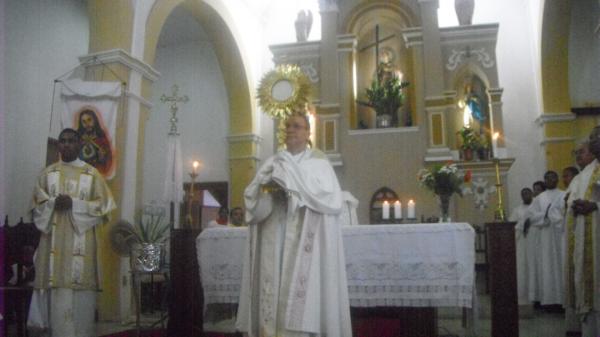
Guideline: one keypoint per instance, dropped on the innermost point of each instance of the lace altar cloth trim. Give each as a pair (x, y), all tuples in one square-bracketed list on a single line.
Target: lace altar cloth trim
[(417, 265)]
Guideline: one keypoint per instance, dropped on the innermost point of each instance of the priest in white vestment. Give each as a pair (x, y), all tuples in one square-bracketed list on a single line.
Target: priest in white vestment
[(547, 224), (583, 251), (70, 199), (294, 279), (519, 215)]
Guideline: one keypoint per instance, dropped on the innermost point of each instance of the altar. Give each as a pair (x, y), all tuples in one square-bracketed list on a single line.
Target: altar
[(408, 265)]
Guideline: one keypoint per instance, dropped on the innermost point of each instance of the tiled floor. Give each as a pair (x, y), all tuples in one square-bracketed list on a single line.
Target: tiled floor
[(531, 324), (538, 325)]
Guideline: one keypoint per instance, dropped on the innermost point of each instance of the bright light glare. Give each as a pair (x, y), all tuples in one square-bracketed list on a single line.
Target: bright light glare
[(446, 14)]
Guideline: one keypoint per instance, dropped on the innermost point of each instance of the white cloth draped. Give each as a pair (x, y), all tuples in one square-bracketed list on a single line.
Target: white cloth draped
[(415, 265), (173, 184)]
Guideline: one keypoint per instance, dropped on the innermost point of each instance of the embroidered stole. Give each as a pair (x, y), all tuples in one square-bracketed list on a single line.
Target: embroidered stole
[(60, 184), (587, 282)]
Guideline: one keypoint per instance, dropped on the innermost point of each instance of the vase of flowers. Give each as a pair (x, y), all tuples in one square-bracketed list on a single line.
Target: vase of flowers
[(444, 181)]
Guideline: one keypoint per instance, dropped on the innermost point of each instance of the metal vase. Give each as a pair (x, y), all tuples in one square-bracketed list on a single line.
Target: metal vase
[(147, 256)]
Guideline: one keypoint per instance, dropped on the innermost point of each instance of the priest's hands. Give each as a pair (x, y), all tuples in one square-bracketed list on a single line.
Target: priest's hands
[(584, 207), (63, 203)]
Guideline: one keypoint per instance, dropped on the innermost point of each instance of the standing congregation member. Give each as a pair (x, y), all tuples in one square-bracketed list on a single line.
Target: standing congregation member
[(294, 282), (547, 220), (519, 215), (583, 245), (70, 199), (236, 217)]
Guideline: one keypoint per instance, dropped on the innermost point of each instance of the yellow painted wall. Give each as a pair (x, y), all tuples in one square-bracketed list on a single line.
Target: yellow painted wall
[(111, 25)]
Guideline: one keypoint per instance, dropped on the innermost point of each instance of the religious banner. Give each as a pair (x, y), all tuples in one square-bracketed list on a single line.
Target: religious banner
[(91, 109)]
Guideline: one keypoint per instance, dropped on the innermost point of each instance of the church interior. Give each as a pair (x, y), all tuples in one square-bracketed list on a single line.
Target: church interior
[(519, 78)]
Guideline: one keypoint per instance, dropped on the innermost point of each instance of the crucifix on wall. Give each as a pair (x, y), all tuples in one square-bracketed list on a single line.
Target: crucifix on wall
[(173, 100), (376, 44)]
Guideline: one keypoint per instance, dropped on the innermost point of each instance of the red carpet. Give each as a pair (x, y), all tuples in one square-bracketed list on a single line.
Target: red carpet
[(133, 333), (156, 333)]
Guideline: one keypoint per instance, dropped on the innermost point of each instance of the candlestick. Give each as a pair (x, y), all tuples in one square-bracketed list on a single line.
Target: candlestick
[(193, 176), (397, 210), (410, 212), (385, 210), (499, 213), (495, 144)]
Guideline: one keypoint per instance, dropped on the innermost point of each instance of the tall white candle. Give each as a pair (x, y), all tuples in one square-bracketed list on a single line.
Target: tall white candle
[(385, 210), (495, 144), (411, 210), (397, 210)]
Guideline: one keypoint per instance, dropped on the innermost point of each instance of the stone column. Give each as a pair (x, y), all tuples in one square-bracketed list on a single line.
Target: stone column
[(432, 51)]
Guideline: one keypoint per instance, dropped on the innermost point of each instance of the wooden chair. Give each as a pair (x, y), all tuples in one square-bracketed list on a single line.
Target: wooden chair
[(20, 244)]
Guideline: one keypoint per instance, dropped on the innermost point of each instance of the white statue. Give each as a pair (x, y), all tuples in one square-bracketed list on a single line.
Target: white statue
[(303, 24)]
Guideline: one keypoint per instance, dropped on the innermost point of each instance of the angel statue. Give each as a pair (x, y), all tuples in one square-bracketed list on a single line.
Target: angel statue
[(303, 24)]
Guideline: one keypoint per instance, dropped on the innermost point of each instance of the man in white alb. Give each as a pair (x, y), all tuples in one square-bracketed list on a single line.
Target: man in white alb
[(547, 217), (519, 215)]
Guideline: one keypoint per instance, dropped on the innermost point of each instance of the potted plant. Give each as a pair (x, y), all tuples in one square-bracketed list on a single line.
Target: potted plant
[(483, 151), (469, 142), (147, 237), (385, 96)]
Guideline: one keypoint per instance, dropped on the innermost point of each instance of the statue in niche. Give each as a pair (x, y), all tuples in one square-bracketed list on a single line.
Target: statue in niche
[(303, 24), (476, 115), (385, 95)]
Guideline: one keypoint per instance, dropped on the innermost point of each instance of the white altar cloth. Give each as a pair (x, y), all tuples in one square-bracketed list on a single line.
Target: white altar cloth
[(408, 265)]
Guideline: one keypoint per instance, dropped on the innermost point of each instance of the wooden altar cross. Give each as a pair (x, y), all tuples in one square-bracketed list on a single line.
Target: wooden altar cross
[(173, 100), (376, 45)]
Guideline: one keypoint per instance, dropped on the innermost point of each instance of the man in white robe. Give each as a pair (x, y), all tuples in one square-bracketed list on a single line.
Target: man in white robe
[(547, 221), (294, 280), (519, 215), (70, 199), (583, 248)]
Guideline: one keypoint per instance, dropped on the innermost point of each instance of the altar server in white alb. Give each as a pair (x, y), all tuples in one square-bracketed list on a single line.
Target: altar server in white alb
[(547, 222), (70, 199), (519, 215), (294, 280)]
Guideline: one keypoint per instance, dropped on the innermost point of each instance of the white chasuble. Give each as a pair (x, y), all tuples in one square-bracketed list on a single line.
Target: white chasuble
[(294, 280)]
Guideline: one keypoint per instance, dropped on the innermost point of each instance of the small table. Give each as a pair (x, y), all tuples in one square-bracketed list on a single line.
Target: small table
[(136, 282)]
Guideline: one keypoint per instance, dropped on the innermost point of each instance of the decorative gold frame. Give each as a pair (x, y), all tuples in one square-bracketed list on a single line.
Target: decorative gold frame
[(296, 101)]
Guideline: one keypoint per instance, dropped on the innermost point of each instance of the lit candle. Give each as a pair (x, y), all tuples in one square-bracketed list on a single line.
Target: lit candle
[(385, 210), (397, 210), (495, 144), (411, 210), (195, 165)]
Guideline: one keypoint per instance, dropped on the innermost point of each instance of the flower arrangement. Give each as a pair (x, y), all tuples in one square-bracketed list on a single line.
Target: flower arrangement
[(443, 179), (385, 94)]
